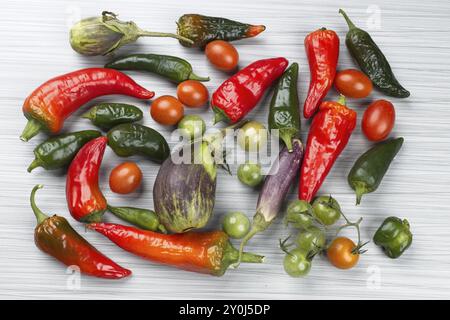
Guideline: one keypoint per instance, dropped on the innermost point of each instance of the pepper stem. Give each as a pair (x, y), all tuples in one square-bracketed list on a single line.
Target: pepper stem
[(287, 139), (88, 115), (40, 216), (350, 24), (219, 115), (231, 256), (143, 33), (193, 76), (360, 190), (342, 100), (31, 129), (36, 163)]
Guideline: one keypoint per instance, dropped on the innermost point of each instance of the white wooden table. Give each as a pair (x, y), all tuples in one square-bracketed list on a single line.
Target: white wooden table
[(414, 36)]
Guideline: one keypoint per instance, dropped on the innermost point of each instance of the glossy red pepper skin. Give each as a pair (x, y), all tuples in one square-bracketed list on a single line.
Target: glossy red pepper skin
[(328, 135), (238, 95), (204, 252), (51, 103), (322, 50), (84, 198), (56, 237)]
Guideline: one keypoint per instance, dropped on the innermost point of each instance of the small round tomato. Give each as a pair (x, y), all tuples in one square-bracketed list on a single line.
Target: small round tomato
[(296, 263), (167, 110), (326, 209), (342, 253), (192, 93), (378, 120), (250, 174), (125, 178), (222, 55), (252, 136), (353, 83), (236, 225), (192, 126)]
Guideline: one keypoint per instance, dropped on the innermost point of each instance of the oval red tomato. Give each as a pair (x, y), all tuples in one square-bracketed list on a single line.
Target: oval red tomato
[(353, 83), (378, 120), (222, 55), (125, 178)]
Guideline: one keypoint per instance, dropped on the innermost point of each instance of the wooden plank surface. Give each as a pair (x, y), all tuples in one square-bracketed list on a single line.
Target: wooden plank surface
[(414, 36)]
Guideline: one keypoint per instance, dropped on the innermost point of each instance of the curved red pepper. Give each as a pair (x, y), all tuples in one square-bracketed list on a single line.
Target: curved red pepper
[(238, 95), (84, 198), (51, 103), (56, 237), (328, 135), (322, 49)]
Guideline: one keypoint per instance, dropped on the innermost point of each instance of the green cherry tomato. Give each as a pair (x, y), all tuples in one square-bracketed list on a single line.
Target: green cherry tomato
[(250, 174), (326, 209), (192, 126), (236, 224), (252, 136), (296, 264), (311, 240), (299, 214)]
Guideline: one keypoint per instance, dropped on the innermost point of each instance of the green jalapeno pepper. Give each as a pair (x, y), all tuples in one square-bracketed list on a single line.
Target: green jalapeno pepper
[(128, 139), (370, 168), (284, 114), (58, 152), (173, 68), (142, 218), (394, 236), (372, 61), (203, 29), (107, 115)]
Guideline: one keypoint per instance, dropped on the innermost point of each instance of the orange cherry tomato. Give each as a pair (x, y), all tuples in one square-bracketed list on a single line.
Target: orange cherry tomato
[(167, 110), (192, 93), (222, 55), (340, 253), (353, 83), (125, 178), (378, 120)]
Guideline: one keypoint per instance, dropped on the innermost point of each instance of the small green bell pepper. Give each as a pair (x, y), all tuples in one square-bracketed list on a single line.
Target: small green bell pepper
[(394, 236)]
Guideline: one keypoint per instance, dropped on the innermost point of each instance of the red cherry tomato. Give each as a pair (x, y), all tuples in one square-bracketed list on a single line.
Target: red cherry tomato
[(353, 83), (341, 253), (125, 178), (167, 110), (222, 55), (192, 93), (378, 120)]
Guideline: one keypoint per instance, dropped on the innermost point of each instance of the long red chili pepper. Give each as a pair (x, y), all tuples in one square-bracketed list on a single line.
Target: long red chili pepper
[(328, 135), (84, 198), (238, 95), (322, 49), (56, 237), (205, 252), (51, 103)]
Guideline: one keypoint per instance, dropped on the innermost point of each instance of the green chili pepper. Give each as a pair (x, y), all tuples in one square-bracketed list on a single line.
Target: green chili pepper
[(203, 29), (370, 168), (172, 68), (372, 61), (107, 115), (284, 114), (128, 139), (58, 152), (394, 236), (142, 218)]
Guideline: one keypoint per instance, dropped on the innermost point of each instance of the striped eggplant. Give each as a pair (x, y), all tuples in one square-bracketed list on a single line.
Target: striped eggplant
[(184, 194), (275, 188)]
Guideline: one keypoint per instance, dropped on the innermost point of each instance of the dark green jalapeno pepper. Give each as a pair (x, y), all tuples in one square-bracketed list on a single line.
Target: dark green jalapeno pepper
[(203, 29), (372, 61), (58, 152), (394, 236), (107, 115), (142, 218), (370, 168), (128, 139), (284, 113), (173, 68)]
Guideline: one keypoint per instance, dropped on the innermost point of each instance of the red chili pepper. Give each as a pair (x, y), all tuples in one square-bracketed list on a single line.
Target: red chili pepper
[(56, 237), (51, 103), (84, 198), (322, 49), (238, 95), (328, 135), (205, 252)]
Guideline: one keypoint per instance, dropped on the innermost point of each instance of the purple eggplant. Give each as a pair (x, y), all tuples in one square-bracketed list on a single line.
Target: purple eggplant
[(275, 189)]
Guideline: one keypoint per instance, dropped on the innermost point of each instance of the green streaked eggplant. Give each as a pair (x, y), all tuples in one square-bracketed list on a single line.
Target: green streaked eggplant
[(203, 29), (184, 193), (107, 115), (173, 68), (284, 107), (129, 139)]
